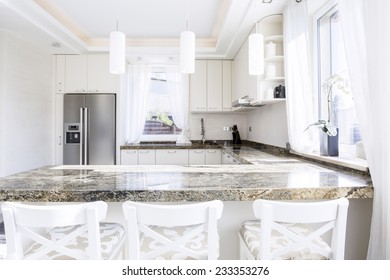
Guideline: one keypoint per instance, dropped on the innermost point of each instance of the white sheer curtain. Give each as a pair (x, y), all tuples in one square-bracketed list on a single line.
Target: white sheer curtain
[(178, 92), (299, 94), (366, 26), (134, 95)]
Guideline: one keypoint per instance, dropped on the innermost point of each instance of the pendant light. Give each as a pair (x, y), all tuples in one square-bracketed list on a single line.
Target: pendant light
[(187, 52), (187, 49), (256, 53), (117, 52)]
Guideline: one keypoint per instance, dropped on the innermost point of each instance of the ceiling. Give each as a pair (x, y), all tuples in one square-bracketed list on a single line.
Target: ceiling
[(152, 27)]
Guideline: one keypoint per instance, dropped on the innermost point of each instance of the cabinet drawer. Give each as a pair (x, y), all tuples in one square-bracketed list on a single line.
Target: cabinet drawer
[(129, 157), (196, 157), (172, 156), (146, 157)]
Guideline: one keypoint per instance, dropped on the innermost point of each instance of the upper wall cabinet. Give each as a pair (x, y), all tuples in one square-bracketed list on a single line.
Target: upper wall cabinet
[(210, 86), (89, 74)]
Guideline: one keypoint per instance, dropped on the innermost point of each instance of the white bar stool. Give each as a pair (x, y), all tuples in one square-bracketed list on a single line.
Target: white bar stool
[(295, 230), (61, 232), (186, 231)]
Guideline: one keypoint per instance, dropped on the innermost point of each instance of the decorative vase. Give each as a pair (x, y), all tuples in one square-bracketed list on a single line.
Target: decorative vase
[(329, 145)]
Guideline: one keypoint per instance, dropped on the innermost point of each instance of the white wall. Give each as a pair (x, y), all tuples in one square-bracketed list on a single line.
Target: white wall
[(26, 104), (2, 99), (214, 123), (268, 125)]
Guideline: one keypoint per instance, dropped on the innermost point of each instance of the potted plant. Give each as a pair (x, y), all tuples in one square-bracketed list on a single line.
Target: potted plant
[(329, 145)]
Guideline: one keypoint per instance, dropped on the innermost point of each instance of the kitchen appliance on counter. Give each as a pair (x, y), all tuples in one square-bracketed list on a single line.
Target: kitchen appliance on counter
[(280, 92), (89, 126)]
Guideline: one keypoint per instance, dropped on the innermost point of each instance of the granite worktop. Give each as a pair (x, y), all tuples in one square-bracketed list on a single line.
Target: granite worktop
[(266, 176), (173, 145)]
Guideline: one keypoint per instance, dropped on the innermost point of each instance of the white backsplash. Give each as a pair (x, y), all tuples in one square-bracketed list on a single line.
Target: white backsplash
[(214, 123)]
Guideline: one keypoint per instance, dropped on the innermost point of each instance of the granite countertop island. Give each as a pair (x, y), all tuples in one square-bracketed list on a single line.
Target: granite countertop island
[(265, 176)]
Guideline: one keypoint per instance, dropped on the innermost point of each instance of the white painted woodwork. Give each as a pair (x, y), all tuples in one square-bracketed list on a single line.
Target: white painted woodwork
[(226, 85), (129, 157), (213, 156), (60, 74), (198, 87), (196, 157), (214, 85), (100, 80), (76, 73), (146, 157), (172, 156)]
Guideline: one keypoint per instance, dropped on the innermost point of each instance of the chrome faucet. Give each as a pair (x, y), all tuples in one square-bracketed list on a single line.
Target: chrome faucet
[(202, 132)]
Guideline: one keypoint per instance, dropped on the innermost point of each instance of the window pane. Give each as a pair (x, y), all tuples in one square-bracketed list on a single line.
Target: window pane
[(333, 65), (159, 120)]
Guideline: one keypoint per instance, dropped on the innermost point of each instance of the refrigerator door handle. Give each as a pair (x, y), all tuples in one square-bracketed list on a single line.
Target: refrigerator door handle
[(86, 133), (83, 136)]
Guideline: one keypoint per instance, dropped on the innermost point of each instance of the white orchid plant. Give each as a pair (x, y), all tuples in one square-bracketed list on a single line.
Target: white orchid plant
[(341, 81)]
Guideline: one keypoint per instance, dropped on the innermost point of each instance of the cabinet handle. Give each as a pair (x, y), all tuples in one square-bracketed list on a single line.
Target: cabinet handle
[(93, 90), (59, 86), (59, 141), (80, 90), (213, 108), (198, 152), (200, 107), (211, 152), (171, 152), (144, 152), (131, 152)]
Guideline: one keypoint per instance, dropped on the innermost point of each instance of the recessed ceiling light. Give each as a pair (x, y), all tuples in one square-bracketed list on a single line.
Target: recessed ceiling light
[(56, 44)]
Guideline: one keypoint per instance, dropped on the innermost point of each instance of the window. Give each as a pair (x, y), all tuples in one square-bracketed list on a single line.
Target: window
[(332, 63), (159, 123)]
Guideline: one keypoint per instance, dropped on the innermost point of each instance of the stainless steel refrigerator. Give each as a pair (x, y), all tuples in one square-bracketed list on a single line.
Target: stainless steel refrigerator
[(89, 124)]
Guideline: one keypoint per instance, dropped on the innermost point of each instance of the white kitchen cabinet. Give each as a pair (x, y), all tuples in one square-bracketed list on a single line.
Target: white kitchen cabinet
[(196, 157), (89, 74), (213, 156), (129, 157), (76, 73), (60, 74), (198, 87), (210, 86), (227, 85), (100, 80), (172, 156), (146, 157), (214, 86)]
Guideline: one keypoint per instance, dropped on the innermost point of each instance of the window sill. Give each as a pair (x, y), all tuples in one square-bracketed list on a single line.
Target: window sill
[(352, 163)]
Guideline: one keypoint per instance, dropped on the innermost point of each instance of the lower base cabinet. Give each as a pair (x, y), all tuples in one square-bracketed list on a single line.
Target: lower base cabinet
[(171, 157)]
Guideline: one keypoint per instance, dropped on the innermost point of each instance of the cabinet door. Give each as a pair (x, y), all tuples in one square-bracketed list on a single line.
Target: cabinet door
[(213, 156), (196, 157), (60, 74), (76, 73), (214, 85), (198, 87), (147, 157), (99, 78), (172, 156), (226, 158), (129, 157), (227, 86)]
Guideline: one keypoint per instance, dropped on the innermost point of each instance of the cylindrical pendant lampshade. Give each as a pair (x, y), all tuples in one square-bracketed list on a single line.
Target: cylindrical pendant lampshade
[(117, 52), (256, 54), (187, 52)]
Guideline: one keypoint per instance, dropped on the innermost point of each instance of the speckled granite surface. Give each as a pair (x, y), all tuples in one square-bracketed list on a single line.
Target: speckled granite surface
[(268, 176)]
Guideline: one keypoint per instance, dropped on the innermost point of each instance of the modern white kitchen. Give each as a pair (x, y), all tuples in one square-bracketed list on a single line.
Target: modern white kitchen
[(280, 100)]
